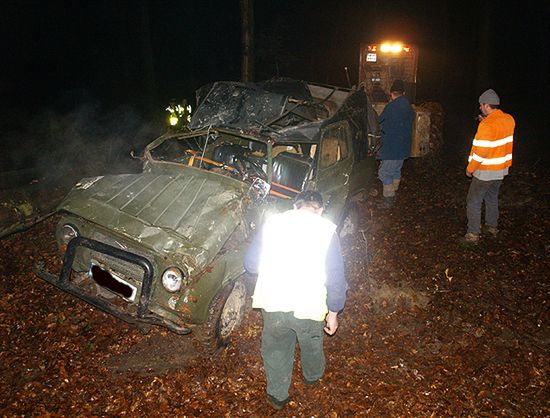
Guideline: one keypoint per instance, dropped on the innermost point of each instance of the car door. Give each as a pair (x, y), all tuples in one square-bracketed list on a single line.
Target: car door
[(365, 142), (363, 172), (334, 163)]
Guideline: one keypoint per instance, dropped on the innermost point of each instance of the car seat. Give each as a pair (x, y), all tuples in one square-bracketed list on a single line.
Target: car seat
[(291, 170)]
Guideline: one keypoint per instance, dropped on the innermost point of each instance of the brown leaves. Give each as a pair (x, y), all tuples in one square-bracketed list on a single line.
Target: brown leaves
[(428, 330)]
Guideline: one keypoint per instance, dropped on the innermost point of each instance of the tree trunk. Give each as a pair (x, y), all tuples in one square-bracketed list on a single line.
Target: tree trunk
[(485, 78), (247, 17), (151, 102)]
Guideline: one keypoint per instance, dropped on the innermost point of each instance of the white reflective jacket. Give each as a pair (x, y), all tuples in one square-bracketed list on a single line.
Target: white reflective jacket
[(292, 268)]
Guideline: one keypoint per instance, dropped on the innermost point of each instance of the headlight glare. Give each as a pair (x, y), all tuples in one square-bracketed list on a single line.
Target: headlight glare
[(172, 279)]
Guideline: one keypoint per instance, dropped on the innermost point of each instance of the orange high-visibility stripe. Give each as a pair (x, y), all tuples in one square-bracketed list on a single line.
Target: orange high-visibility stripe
[(493, 143)]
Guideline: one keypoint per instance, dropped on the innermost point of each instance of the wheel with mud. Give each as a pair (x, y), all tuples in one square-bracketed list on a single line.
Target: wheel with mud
[(224, 315)]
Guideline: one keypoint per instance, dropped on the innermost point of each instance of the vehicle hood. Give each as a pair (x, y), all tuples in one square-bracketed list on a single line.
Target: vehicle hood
[(191, 214)]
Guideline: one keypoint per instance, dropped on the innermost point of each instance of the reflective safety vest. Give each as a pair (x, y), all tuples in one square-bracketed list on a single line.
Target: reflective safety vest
[(292, 267), (492, 145)]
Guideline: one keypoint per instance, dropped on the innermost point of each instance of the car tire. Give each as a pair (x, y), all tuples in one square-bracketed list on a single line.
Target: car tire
[(224, 315)]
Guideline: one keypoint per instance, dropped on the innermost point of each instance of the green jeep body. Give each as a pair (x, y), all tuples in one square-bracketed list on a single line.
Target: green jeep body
[(201, 196)]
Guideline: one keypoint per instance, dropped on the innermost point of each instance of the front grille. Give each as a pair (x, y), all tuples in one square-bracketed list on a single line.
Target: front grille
[(108, 277), (113, 283), (129, 271)]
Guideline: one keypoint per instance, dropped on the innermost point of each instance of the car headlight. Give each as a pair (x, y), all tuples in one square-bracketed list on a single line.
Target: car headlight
[(67, 232), (172, 279)]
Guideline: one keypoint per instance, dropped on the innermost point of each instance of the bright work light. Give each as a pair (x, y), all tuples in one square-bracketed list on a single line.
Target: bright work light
[(391, 47)]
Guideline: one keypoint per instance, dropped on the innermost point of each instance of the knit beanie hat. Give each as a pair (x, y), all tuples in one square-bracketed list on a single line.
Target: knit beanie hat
[(489, 97), (398, 86)]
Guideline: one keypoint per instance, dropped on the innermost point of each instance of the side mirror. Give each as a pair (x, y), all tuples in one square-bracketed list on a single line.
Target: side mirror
[(259, 189), (134, 156)]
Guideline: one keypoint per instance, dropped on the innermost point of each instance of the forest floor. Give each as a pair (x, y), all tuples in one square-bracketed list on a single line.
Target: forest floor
[(430, 328)]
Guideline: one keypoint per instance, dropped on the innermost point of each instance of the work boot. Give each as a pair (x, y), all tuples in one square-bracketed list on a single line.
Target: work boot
[(276, 403), (470, 239), (388, 192), (490, 231), (387, 203), (396, 184), (311, 382)]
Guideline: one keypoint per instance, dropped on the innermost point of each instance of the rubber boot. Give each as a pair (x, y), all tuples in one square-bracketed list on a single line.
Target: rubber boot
[(396, 184), (388, 192), (387, 203)]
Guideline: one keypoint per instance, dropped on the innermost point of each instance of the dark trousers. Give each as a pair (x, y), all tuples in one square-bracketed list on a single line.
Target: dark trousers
[(280, 332), (389, 170), (479, 192)]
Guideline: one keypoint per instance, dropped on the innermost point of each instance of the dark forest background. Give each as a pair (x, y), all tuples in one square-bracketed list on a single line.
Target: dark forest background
[(135, 55)]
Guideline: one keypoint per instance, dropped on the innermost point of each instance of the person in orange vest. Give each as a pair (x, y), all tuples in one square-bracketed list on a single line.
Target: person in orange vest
[(488, 164)]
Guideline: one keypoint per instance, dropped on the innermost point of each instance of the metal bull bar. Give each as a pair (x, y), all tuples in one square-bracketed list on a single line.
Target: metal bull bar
[(143, 314)]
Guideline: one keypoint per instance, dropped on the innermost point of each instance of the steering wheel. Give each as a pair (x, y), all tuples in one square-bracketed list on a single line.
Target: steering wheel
[(256, 170)]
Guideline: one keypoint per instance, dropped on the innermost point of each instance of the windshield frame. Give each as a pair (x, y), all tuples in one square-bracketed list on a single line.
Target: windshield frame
[(269, 142)]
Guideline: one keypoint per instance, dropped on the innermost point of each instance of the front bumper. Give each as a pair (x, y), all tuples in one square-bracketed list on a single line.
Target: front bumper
[(143, 315)]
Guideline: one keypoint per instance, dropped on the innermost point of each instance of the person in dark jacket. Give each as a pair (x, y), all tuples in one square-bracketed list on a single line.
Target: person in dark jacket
[(396, 123)]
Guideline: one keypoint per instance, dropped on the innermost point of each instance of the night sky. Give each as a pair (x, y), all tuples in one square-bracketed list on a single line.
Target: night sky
[(58, 54)]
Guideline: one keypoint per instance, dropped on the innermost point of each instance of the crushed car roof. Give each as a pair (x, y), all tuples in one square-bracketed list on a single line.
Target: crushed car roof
[(280, 110)]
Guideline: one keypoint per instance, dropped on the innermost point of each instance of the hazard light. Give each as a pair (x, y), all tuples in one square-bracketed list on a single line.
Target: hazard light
[(390, 47)]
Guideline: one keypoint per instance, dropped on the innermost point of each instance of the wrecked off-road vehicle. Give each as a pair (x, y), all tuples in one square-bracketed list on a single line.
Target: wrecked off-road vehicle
[(165, 246)]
